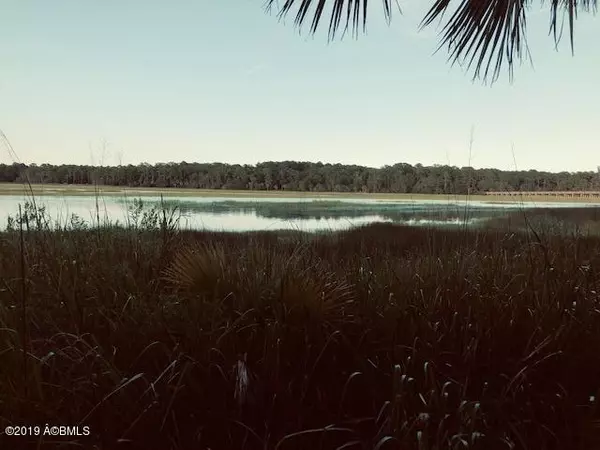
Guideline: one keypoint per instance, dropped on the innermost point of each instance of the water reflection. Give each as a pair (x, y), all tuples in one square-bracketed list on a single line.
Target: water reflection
[(306, 214)]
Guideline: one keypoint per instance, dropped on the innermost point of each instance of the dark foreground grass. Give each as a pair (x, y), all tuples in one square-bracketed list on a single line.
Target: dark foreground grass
[(382, 337)]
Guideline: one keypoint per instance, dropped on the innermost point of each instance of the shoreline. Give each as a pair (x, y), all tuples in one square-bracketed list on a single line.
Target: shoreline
[(87, 190)]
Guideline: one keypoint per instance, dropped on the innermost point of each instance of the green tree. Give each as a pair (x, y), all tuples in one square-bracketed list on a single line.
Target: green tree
[(305, 176)]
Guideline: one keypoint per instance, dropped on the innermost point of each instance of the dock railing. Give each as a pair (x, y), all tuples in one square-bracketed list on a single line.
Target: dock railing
[(567, 194)]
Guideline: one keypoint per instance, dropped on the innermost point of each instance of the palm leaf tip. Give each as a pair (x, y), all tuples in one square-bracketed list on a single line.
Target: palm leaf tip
[(346, 13), (484, 34)]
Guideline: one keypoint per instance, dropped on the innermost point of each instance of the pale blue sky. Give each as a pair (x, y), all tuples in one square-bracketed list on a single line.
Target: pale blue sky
[(208, 80)]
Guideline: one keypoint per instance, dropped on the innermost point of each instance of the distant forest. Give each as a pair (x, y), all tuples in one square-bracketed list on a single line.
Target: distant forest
[(304, 176)]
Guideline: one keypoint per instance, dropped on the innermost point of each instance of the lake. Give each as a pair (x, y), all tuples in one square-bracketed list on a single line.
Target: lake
[(307, 214)]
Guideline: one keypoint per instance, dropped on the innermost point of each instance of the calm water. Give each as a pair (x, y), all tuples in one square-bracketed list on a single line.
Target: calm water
[(309, 214)]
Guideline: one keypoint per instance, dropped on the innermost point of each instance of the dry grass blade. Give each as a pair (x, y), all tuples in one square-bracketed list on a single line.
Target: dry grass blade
[(119, 388), (299, 434), (242, 381)]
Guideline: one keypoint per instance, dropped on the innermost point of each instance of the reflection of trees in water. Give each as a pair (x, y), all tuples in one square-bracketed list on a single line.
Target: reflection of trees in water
[(552, 220), (338, 210)]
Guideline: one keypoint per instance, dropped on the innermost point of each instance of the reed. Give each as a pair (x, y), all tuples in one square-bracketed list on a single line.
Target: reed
[(379, 337)]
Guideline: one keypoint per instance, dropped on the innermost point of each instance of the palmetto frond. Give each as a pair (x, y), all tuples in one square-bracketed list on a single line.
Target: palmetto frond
[(484, 34)]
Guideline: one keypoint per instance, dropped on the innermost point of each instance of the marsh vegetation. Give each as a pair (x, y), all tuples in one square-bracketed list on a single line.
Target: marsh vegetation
[(377, 337)]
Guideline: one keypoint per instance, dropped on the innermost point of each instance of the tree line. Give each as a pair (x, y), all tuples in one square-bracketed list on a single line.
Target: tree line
[(304, 176)]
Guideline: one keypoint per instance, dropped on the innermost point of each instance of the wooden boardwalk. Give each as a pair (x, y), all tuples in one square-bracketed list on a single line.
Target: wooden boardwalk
[(565, 194)]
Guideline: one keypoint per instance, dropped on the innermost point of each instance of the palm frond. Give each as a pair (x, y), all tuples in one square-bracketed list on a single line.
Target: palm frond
[(480, 30), (571, 8), (198, 268), (487, 32), (351, 13), (484, 34)]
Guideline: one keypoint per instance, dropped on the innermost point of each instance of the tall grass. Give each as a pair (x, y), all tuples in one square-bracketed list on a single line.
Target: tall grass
[(379, 337)]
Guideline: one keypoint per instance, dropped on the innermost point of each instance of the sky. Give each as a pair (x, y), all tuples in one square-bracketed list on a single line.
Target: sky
[(129, 81)]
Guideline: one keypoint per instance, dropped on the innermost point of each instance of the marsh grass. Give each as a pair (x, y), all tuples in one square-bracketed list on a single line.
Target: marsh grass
[(378, 337)]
